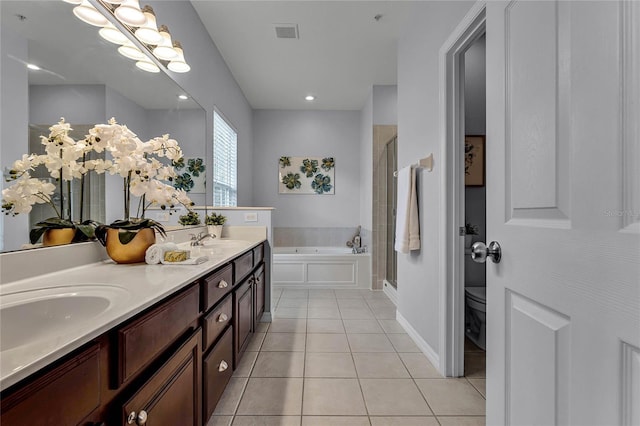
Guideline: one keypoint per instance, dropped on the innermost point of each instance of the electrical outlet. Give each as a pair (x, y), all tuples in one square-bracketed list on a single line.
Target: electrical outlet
[(251, 217)]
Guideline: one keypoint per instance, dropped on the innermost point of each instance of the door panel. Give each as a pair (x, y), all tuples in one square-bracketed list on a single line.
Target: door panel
[(559, 132)]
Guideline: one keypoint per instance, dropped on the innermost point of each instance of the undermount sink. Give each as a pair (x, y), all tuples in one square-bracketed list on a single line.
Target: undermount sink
[(29, 316), (222, 243)]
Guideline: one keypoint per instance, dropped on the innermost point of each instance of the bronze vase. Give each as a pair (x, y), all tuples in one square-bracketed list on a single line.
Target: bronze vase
[(133, 251), (58, 237)]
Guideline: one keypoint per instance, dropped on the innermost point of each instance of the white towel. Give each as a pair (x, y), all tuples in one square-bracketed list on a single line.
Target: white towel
[(190, 261), (155, 253), (407, 221)]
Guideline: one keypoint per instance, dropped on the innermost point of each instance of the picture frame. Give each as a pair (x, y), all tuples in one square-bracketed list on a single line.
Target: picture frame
[(306, 175), (474, 160)]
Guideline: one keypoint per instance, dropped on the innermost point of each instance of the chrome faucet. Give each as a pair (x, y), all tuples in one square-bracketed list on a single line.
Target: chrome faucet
[(196, 240)]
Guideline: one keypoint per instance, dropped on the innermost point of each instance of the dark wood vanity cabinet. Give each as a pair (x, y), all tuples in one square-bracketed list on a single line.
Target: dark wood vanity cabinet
[(259, 295), (243, 303)]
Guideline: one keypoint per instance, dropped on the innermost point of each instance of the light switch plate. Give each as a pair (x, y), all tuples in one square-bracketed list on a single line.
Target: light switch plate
[(251, 217)]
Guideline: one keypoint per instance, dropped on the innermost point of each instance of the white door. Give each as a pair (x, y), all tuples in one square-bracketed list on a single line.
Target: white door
[(563, 201)]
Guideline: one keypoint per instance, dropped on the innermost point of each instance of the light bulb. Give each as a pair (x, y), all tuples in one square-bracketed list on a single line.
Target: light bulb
[(114, 1), (132, 52), (73, 1), (147, 65), (165, 50), (89, 14), (148, 32), (129, 13), (112, 34), (178, 64), (309, 98)]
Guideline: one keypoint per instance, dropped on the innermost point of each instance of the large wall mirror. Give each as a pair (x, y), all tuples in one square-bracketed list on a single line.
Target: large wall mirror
[(84, 79)]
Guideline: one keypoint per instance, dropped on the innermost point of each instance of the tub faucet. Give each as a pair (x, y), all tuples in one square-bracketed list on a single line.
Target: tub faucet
[(196, 240), (359, 250)]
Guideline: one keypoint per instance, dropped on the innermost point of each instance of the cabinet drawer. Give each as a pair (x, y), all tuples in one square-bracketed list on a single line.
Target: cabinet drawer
[(145, 338), (172, 395), (258, 254), (217, 367), (216, 321), (259, 296), (216, 286), (243, 265), (64, 396), (242, 318)]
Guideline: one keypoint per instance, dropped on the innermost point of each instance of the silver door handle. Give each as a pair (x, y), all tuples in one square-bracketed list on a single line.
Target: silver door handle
[(480, 252)]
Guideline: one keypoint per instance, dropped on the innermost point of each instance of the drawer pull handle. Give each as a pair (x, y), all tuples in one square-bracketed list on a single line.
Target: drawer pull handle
[(223, 366), (257, 280), (223, 284), (222, 318), (131, 418), (142, 417)]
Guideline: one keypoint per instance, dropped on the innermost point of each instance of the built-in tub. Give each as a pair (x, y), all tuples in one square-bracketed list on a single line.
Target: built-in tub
[(320, 267)]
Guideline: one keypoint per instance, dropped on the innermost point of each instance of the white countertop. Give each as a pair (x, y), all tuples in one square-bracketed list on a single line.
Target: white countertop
[(132, 288)]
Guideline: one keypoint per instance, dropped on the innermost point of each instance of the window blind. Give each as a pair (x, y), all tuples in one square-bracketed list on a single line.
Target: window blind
[(225, 160)]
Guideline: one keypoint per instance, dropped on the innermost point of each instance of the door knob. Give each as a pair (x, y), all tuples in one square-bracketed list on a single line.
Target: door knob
[(480, 252)]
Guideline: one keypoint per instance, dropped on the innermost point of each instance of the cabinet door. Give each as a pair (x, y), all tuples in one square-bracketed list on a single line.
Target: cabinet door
[(243, 317), (218, 368), (259, 287), (172, 395)]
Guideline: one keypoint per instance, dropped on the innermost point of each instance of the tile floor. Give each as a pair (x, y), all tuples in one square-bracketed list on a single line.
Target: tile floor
[(338, 357)]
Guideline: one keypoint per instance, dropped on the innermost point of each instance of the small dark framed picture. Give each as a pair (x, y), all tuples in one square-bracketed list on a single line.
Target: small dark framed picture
[(474, 160)]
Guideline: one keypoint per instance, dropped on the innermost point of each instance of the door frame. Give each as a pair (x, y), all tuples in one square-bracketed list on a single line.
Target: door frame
[(451, 268)]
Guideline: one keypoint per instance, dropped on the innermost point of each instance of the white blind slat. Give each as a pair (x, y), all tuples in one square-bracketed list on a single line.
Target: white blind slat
[(225, 159)]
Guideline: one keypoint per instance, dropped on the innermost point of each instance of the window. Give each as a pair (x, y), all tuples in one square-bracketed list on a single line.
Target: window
[(225, 160)]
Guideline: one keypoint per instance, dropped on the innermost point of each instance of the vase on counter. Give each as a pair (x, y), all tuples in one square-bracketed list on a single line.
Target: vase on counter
[(58, 237), (133, 251), (215, 230)]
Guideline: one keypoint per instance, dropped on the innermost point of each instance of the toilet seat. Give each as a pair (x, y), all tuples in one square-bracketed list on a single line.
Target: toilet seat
[(477, 294)]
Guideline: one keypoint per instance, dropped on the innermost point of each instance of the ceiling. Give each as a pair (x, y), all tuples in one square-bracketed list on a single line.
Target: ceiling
[(341, 53)]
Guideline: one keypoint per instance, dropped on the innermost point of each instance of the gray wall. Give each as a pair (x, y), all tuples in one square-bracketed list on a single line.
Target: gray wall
[(385, 105), (308, 133), (430, 25), (78, 104), (366, 168)]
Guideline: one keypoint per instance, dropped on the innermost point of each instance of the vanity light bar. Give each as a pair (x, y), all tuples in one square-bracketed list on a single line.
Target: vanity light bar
[(139, 24)]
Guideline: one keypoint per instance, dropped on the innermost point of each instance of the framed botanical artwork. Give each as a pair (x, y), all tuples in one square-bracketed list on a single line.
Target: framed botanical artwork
[(190, 175), (306, 175), (474, 160)]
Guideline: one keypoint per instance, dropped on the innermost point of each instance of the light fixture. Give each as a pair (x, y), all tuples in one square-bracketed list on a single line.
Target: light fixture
[(73, 1), (183, 97), (309, 98), (33, 67), (147, 65), (129, 13), (148, 32), (130, 51), (178, 64), (89, 14), (115, 1), (110, 33), (164, 50)]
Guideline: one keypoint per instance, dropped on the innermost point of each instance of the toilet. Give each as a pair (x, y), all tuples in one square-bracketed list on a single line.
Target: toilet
[(475, 315)]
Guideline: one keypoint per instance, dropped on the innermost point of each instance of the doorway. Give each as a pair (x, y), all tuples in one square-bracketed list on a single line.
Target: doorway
[(391, 157)]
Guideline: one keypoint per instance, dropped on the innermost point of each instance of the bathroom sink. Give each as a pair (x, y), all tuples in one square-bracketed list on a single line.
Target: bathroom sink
[(223, 243), (34, 315)]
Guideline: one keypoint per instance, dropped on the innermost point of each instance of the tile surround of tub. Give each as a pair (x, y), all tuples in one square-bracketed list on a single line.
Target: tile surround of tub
[(313, 237)]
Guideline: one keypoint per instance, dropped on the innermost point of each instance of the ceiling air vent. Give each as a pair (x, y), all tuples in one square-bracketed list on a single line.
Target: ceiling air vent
[(286, 30)]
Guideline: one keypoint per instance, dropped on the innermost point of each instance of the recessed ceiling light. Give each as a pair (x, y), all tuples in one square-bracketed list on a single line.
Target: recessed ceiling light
[(183, 97), (33, 67), (309, 98)]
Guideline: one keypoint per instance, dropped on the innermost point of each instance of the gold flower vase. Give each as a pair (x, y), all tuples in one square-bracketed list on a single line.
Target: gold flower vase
[(134, 250), (58, 237)]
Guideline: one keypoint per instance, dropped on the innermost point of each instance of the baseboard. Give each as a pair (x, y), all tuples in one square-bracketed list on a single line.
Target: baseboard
[(266, 317), (390, 291), (426, 349)]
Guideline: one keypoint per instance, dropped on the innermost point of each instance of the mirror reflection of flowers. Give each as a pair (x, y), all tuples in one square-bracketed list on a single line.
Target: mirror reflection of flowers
[(469, 155), (65, 159), (195, 166)]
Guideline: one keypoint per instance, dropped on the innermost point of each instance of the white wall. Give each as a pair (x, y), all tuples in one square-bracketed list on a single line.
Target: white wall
[(308, 133), (385, 105), (418, 135), (78, 104)]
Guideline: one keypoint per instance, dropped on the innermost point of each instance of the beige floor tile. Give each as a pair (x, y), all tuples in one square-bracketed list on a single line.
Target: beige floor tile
[(316, 325), (220, 421), (291, 312), (452, 397), (384, 312), (322, 303), (369, 343), (474, 365), (335, 421), (284, 342), (295, 294), (391, 326), (231, 396), (325, 312), (326, 342), (356, 313), (256, 342), (262, 327), (403, 343), (279, 364), (480, 385), (329, 365), (348, 294), (379, 366), (419, 366), (292, 303), (246, 364), (404, 421), (352, 303), (272, 397), (322, 293), (329, 397), (461, 421), (288, 325), (355, 326), (266, 421), (375, 294), (393, 397), (380, 303)]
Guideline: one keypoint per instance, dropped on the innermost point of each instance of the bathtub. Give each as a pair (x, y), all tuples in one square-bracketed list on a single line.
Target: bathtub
[(320, 267)]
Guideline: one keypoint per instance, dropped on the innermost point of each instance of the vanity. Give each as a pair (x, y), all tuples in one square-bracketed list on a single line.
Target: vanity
[(154, 344)]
